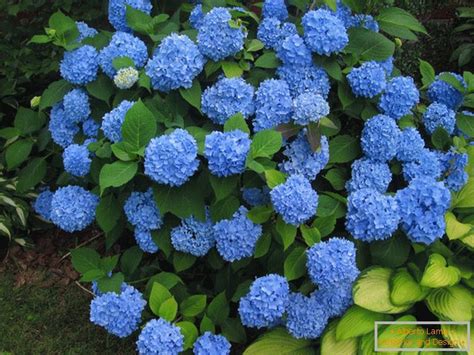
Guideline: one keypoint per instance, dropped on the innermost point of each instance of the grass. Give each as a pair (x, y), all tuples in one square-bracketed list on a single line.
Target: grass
[(35, 320)]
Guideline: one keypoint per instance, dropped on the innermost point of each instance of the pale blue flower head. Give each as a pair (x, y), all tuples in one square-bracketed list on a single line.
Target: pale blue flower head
[(276, 9), (307, 78), (118, 11), (368, 80), (42, 204), (193, 236), (293, 51), (77, 160), (380, 138), (80, 66), (439, 116), (309, 107), (399, 97), (142, 211), (211, 344), (306, 318), (112, 121), (425, 164), (410, 145), (145, 241), (368, 173), (446, 94)]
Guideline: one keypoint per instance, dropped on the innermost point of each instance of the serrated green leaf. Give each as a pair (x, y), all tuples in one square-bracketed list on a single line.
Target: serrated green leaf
[(193, 305), (168, 309)]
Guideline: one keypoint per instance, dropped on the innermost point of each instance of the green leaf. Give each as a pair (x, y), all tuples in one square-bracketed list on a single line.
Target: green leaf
[(111, 284), (287, 232), (332, 4), (9, 133), (138, 20), (218, 310), (438, 274), (440, 138), (167, 279), (17, 153), (372, 291), (130, 260), (66, 31), (168, 309), (108, 263), (121, 152), (453, 81), (158, 295), (254, 45), (85, 259), (32, 174), (260, 214), (123, 62), (40, 39), (343, 149), (325, 225), (193, 305), (454, 228), (92, 275), (193, 94), (237, 121), (117, 174), (265, 143), (199, 134), (369, 45), (54, 93), (207, 325), (330, 345), (101, 89), (295, 264), (465, 123), (358, 321), (233, 330), (344, 93), (394, 335), (399, 17), (223, 187), (232, 69), (427, 73), (465, 197), (28, 121), (311, 235), (182, 261), (108, 213), (451, 303), (268, 61), (404, 289), (263, 245), (139, 127), (329, 206), (392, 252), (224, 209), (337, 178), (274, 178), (190, 333), (278, 341)]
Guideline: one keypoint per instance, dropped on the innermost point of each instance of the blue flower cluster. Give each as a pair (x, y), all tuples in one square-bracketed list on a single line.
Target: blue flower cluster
[(422, 207), (273, 104), (335, 300), (118, 11), (266, 302), (276, 9), (454, 168), (368, 173), (85, 31), (380, 138), (76, 160), (226, 152), (226, 98), (255, 196), (410, 145), (122, 44), (76, 106), (309, 107), (368, 80), (272, 32), (216, 38), (236, 238), (172, 159), (62, 130), (371, 215), (301, 79), (73, 208), (444, 93), (301, 160), (399, 97), (90, 128), (142, 211), (160, 337), (80, 66), (387, 65), (343, 13), (439, 116), (193, 236), (306, 317), (324, 33), (366, 21), (426, 164), (112, 121), (175, 63), (42, 204), (196, 17), (145, 241), (211, 344), (295, 200), (293, 51)]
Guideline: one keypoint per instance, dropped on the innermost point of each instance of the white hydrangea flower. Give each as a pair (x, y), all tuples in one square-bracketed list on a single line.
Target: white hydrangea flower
[(126, 78)]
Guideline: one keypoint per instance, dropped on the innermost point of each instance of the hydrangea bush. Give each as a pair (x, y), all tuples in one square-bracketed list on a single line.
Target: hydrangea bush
[(267, 174)]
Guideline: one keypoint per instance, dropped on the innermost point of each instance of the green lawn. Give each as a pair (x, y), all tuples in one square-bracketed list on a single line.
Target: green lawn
[(55, 320)]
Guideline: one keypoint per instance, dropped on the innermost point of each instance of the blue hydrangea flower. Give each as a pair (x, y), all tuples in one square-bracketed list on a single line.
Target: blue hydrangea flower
[(295, 200), (80, 66), (226, 152), (216, 38), (118, 11), (272, 32), (122, 44), (175, 63), (142, 211), (62, 130), (273, 104), (332, 263), (444, 93), (85, 31), (301, 79), (236, 238), (160, 337), (226, 98), (423, 205), (293, 51), (309, 107), (439, 115), (399, 97), (211, 344), (335, 300), (266, 301), (368, 173), (255, 196), (42, 205), (368, 80), (301, 160), (196, 17), (145, 241), (425, 164), (387, 65), (76, 105), (112, 121), (306, 318), (90, 128), (410, 145), (371, 215), (76, 160), (126, 78), (366, 21), (172, 159), (380, 137), (324, 33), (343, 13), (193, 236), (119, 314), (454, 168), (73, 208), (276, 9)]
